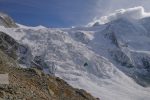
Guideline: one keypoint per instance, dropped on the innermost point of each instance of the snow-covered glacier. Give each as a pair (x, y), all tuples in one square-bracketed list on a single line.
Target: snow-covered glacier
[(110, 60)]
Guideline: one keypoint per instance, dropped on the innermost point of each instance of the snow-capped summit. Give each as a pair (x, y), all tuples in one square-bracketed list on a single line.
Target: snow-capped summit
[(135, 13), (109, 60)]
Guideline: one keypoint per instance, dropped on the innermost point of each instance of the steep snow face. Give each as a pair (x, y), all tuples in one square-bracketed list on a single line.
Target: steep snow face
[(127, 43), (107, 60), (126, 34)]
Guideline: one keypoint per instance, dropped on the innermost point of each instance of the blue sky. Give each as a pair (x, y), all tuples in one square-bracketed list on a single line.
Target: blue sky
[(63, 13)]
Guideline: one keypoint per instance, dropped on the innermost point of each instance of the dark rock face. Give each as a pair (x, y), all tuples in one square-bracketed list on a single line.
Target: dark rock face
[(81, 36), (6, 21), (12, 48), (8, 45), (111, 35), (121, 58), (39, 62), (146, 63), (33, 84)]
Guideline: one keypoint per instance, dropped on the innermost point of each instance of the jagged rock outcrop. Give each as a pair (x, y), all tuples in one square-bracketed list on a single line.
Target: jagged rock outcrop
[(121, 58), (6, 21), (81, 36), (12, 48), (111, 35)]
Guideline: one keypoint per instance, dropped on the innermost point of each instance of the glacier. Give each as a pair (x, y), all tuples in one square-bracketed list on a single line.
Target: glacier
[(110, 60)]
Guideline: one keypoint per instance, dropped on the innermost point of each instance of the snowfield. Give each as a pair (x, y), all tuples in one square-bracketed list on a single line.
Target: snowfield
[(110, 60)]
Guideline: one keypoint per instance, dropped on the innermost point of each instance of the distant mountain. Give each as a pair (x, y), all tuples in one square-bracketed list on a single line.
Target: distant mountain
[(109, 58)]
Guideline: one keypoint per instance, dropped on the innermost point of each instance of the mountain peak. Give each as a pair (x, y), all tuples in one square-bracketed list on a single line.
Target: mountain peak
[(6, 21), (134, 13)]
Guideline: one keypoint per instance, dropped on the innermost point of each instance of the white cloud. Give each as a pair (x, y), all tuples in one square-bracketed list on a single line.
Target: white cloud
[(130, 13)]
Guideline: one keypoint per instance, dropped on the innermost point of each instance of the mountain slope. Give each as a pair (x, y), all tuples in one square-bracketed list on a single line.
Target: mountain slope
[(109, 60), (128, 47), (33, 84), (69, 57)]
